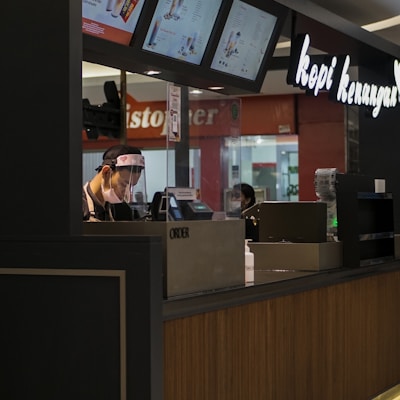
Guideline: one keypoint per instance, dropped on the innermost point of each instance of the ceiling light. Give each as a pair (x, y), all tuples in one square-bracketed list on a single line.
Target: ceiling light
[(196, 91), (383, 24), (373, 27), (152, 72), (215, 87), (283, 45)]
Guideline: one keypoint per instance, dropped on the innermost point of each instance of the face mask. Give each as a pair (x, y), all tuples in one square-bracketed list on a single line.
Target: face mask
[(109, 194), (235, 205)]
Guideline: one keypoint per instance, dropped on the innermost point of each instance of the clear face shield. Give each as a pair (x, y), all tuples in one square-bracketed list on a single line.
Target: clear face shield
[(135, 179), (136, 194)]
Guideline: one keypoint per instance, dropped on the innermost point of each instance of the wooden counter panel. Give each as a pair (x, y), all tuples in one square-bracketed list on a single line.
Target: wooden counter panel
[(336, 342)]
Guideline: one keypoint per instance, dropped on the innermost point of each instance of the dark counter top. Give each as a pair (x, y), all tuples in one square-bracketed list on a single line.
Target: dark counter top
[(268, 284)]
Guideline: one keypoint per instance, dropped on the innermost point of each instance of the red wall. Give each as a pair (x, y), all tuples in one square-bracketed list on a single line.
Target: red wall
[(321, 131), (211, 174), (268, 115)]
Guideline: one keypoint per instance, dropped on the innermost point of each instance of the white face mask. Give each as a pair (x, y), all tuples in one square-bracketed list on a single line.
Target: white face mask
[(109, 194), (235, 205)]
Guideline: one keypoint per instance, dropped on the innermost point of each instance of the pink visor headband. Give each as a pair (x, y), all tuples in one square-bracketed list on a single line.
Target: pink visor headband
[(127, 160)]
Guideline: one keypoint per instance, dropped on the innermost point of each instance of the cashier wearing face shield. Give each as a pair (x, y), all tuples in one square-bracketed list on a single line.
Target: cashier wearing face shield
[(107, 195)]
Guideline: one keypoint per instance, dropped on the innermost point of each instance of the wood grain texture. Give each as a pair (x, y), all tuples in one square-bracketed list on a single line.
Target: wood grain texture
[(336, 342)]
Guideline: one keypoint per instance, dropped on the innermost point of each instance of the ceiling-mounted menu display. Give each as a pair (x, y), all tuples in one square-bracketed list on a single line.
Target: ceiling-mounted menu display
[(181, 29), (113, 20), (243, 45), (199, 43)]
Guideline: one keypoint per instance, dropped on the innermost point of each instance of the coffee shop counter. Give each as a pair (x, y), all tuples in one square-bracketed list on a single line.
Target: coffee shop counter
[(269, 284), (332, 334)]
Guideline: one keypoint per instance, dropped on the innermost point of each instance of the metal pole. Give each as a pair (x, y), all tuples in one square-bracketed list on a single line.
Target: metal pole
[(123, 137)]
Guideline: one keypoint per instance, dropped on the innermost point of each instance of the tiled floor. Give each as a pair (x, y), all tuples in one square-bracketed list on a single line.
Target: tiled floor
[(391, 394)]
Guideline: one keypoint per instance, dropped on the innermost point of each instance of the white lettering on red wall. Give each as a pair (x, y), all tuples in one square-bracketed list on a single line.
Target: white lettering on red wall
[(154, 118), (333, 76)]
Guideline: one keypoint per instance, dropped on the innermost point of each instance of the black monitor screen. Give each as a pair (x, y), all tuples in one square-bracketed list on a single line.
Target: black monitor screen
[(114, 20), (169, 205), (164, 202), (163, 205), (181, 29), (293, 221), (243, 45)]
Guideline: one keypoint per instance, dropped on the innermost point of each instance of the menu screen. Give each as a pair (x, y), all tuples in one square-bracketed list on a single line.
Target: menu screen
[(114, 20), (180, 29), (242, 46)]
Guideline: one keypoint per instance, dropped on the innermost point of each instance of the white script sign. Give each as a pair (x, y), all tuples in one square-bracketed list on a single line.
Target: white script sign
[(333, 76)]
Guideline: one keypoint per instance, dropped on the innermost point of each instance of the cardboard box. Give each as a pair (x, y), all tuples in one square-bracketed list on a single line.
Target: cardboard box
[(297, 256)]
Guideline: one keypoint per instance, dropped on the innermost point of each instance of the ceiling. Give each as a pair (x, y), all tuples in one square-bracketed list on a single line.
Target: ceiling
[(382, 17)]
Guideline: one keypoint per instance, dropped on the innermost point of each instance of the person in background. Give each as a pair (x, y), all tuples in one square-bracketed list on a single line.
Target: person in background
[(106, 195), (247, 195), (247, 200)]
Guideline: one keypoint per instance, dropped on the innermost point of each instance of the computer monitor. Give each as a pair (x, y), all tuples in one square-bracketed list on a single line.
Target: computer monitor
[(164, 205), (292, 221)]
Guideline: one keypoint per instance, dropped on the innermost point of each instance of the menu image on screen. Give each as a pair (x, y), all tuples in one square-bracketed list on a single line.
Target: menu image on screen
[(114, 20), (242, 46), (181, 29)]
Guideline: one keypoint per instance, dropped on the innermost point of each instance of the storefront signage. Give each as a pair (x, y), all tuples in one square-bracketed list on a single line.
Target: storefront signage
[(156, 118), (332, 75), (174, 113), (149, 120)]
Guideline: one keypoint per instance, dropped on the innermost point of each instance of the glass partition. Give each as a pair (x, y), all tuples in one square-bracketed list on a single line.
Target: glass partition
[(199, 169)]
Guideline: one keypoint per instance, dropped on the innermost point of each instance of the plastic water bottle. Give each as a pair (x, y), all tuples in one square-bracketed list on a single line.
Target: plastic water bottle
[(248, 264)]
